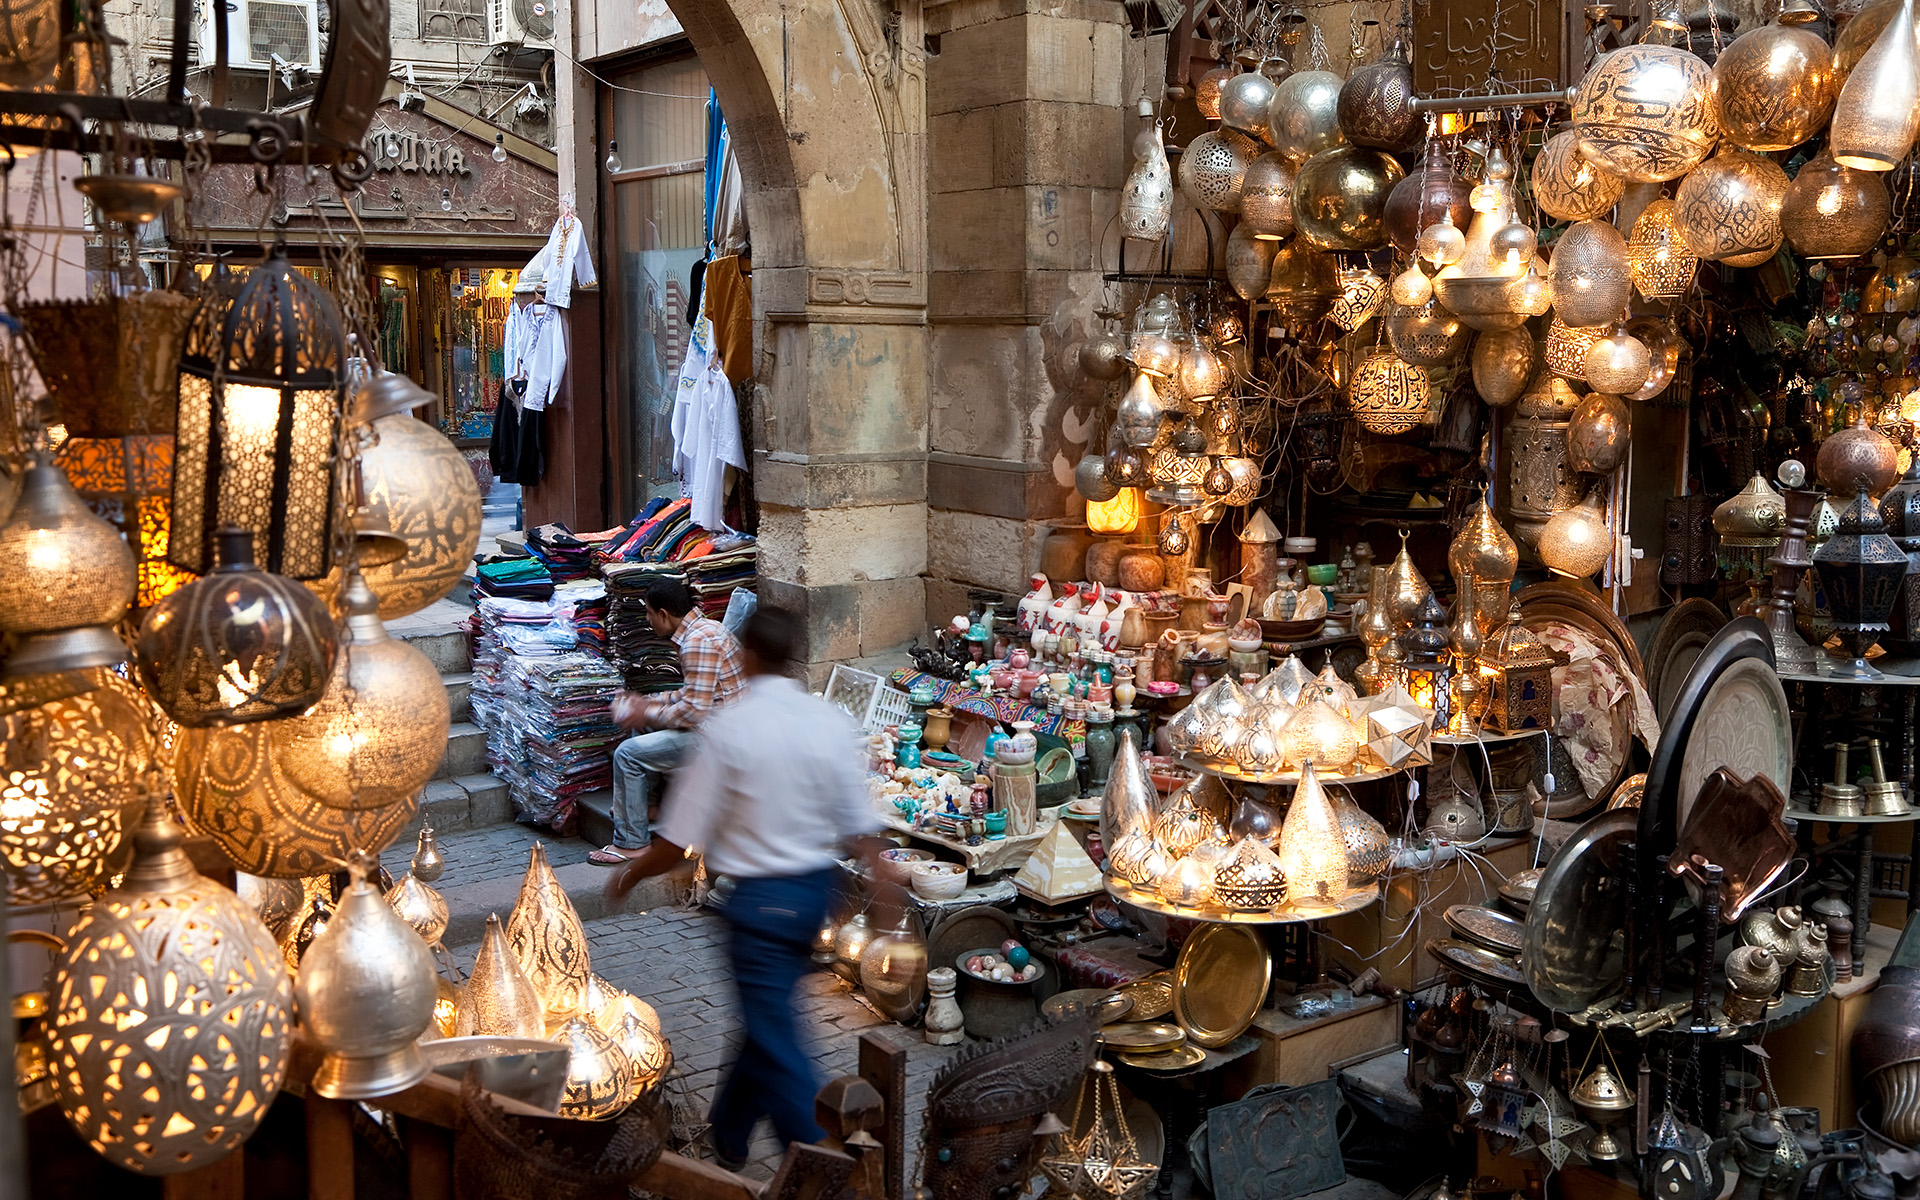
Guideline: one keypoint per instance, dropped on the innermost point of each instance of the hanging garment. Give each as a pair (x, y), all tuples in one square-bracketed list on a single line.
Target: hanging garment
[(568, 261), (543, 355), (503, 452), (730, 309), (530, 464), (706, 427)]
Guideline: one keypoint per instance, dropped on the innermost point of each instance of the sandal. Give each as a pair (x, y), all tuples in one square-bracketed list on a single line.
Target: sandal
[(611, 856)]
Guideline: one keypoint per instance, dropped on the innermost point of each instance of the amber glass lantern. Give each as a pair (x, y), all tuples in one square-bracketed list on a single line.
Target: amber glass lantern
[(260, 399), (237, 645), (1119, 515), (1833, 211), (65, 578), (1429, 667), (1517, 674)]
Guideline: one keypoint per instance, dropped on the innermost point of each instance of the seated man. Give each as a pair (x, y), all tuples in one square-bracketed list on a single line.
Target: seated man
[(710, 662)]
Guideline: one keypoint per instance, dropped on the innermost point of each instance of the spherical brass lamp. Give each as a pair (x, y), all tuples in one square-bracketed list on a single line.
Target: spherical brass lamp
[(1305, 114), (1832, 211), (1388, 395), (172, 1014), (1567, 187), (1340, 198), (1774, 86), (237, 645), (1588, 274), (1729, 207), (66, 577), (260, 404), (1266, 197), (1646, 113), (1577, 542), (1214, 165)]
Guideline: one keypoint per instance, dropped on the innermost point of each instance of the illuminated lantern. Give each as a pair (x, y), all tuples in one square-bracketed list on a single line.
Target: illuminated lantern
[(1388, 395), (1118, 515), (1517, 673), (1313, 848), (1428, 666), (1577, 542), (66, 578)]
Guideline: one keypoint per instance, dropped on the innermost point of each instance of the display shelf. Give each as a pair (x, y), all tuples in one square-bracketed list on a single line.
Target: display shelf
[(1285, 914), (1482, 738), (1785, 1010), (1894, 672), (992, 854), (1803, 814), (1287, 778)]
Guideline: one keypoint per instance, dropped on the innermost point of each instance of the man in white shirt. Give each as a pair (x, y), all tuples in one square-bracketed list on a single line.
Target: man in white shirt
[(769, 792)]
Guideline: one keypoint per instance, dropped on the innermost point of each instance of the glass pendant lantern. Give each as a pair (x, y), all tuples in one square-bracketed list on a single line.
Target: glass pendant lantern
[(261, 384), (1313, 849), (66, 578), (1657, 255), (1831, 211), (1388, 395), (1878, 113), (1577, 542)]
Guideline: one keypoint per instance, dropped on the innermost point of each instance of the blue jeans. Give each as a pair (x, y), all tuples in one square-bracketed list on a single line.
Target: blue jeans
[(772, 923), (638, 763)]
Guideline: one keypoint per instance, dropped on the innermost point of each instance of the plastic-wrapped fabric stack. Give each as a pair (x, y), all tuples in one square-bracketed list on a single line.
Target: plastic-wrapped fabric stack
[(714, 576), (647, 661), (558, 708), (516, 578)]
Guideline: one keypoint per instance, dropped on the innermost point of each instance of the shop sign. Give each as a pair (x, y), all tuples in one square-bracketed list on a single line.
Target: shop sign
[(403, 150)]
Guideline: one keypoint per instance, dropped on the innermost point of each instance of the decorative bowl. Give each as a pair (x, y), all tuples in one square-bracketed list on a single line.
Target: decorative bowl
[(898, 862), (1292, 631), (938, 880)]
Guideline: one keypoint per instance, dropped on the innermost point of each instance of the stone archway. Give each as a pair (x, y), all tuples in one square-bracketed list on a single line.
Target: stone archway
[(826, 103)]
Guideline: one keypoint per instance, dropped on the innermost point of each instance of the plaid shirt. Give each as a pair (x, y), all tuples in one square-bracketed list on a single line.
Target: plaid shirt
[(710, 660)]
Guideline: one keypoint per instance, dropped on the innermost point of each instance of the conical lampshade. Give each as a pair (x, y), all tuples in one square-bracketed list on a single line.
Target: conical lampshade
[(172, 1014), (599, 1077), (608, 1006), (548, 941), (1313, 849), (366, 993), (1127, 804), (420, 907), (500, 1001), (648, 1055), (1878, 113), (66, 577)]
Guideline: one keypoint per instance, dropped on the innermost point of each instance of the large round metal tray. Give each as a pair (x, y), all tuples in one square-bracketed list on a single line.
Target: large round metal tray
[(1573, 953), (1743, 725), (1741, 638), (1683, 633), (1220, 982)]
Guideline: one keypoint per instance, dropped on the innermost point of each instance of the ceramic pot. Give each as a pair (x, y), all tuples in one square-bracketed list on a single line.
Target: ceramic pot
[(1103, 561), (1018, 749), (1063, 555), (939, 723), (994, 1009)]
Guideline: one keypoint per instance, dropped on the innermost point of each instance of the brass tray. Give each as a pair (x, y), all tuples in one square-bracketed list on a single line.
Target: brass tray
[(1178, 1059), (1628, 794), (1683, 633), (1516, 892), (1220, 982), (1152, 996), (1142, 1037), (1479, 964), (1574, 953), (1106, 1005), (1496, 931), (1742, 724)]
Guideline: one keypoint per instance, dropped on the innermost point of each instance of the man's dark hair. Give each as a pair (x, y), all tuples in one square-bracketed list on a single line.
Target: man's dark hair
[(670, 596), (770, 635)]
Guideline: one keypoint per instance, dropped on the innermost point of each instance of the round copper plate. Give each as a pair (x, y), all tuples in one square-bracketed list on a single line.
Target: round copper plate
[(1171, 1060), (1152, 996), (1106, 1004), (1220, 982), (1143, 1037), (1496, 931)]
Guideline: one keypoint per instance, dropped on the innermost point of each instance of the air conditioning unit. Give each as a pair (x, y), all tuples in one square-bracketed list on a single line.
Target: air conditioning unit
[(259, 29), (527, 24)]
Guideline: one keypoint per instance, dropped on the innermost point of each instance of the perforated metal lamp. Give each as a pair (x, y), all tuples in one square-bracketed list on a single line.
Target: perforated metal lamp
[(66, 577), (259, 413)]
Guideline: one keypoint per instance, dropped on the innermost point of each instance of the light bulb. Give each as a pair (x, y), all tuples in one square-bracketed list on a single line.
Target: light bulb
[(499, 147), (1412, 288), (446, 200), (613, 157)]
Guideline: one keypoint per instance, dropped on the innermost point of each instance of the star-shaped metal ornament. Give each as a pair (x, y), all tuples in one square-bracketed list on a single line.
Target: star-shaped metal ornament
[(1398, 730)]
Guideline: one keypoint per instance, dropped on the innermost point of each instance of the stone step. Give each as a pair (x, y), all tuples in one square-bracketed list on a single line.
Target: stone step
[(459, 695), (595, 810), (466, 751), (485, 868), (447, 651), (465, 803)]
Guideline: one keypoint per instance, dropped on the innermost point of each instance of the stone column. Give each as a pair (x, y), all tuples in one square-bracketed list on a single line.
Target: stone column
[(1026, 155)]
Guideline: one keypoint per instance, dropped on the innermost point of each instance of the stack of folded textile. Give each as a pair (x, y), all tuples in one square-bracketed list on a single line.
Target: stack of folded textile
[(714, 576), (515, 578), (648, 662), (559, 709), (567, 557)]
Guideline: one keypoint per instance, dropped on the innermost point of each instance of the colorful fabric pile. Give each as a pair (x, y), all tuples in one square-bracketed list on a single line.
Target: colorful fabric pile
[(566, 555), (647, 661), (514, 578), (714, 576)]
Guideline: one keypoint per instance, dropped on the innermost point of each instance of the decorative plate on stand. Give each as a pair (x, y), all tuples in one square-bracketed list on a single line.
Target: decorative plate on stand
[(1683, 633), (1577, 920), (1742, 725)]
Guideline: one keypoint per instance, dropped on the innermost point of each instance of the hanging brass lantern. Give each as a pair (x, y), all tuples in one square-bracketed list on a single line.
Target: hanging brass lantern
[(1206, 91), (416, 485), (1600, 435), (366, 993), (546, 937), (1618, 363), (1480, 282), (379, 732), (1577, 542), (1250, 259), (1588, 274), (1831, 211), (66, 578), (1374, 107), (1213, 167), (70, 772), (499, 1000), (1858, 456), (1878, 112), (1146, 202), (599, 1078), (172, 1014), (1862, 30), (1245, 101), (1302, 286), (30, 43), (1340, 198), (1645, 112), (1566, 348), (237, 645), (1486, 554), (1305, 114), (260, 403), (1503, 363), (1567, 187), (1729, 206), (1425, 335), (1429, 193), (1266, 199), (1774, 86), (1138, 419), (1658, 258), (1388, 396), (422, 908)]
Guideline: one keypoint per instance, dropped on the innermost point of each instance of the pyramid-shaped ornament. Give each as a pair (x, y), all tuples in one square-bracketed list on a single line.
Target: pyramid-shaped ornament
[(1058, 870), (1399, 731)]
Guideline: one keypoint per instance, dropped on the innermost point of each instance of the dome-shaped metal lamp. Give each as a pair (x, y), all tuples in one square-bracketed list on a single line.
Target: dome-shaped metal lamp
[(66, 577)]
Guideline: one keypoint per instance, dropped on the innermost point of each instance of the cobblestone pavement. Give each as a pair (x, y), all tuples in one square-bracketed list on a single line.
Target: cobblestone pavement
[(675, 959)]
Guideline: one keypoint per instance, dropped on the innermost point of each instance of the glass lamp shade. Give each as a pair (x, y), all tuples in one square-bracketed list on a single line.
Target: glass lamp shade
[(649, 1056), (608, 1007), (1146, 201), (1214, 165), (1188, 883), (1250, 879), (1246, 100), (1388, 396), (1577, 542), (70, 772), (1878, 113), (238, 645), (66, 577), (379, 731), (1206, 92), (1425, 335), (546, 937), (172, 1015), (1569, 188), (1321, 734), (1831, 211), (417, 486), (365, 994), (1121, 514), (1774, 87), (893, 968), (599, 1077), (1503, 363), (1657, 255), (1729, 206), (1266, 197), (1313, 850), (1305, 114), (1588, 274), (1138, 418), (1618, 363), (1566, 348), (1340, 197), (1646, 113), (1250, 258), (422, 908), (259, 413), (1430, 192), (1302, 285), (1202, 373), (499, 1000)]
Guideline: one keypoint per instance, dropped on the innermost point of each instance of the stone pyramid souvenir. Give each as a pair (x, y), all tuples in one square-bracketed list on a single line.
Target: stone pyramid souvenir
[(1058, 870)]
